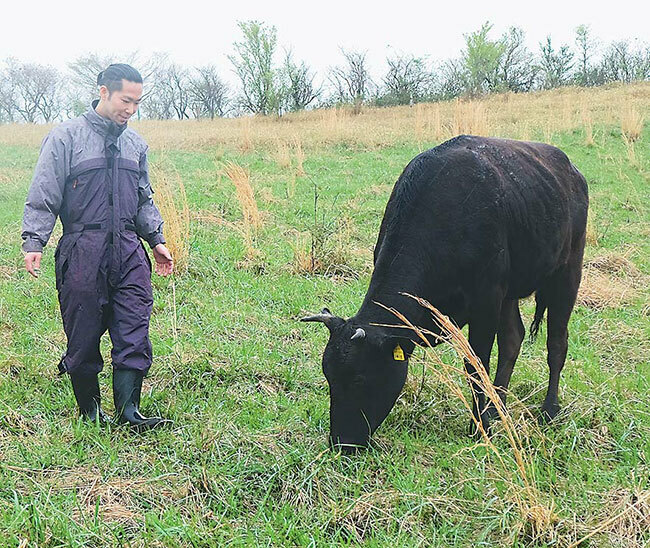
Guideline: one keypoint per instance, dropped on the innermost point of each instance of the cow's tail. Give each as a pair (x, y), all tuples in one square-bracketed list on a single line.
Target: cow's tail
[(540, 308)]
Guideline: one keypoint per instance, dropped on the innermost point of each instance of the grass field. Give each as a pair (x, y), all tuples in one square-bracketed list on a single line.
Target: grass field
[(246, 462)]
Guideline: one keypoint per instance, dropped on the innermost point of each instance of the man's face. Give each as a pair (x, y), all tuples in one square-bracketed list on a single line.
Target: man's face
[(120, 105)]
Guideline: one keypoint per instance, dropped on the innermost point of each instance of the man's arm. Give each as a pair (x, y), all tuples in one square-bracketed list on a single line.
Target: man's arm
[(148, 222), (44, 199)]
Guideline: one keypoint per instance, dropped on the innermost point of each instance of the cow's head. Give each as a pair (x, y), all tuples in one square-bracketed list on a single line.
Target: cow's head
[(365, 367)]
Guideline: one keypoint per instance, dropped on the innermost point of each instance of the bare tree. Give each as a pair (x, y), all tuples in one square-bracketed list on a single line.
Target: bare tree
[(555, 66), (298, 83), (158, 105), (37, 90), (7, 97), (622, 63), (352, 82), (208, 92), (85, 69), (517, 70), (168, 92), (451, 80), (176, 83), (253, 63), (407, 80)]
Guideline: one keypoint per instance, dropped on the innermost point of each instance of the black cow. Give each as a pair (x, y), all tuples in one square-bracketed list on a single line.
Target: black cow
[(472, 226)]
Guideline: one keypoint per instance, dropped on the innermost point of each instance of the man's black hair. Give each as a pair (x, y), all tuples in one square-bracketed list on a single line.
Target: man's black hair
[(114, 74)]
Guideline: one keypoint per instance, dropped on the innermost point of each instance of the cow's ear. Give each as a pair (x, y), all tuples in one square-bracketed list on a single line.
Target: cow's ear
[(326, 317), (399, 347)]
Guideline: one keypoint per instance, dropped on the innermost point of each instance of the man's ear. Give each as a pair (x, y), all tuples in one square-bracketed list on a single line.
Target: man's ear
[(103, 93)]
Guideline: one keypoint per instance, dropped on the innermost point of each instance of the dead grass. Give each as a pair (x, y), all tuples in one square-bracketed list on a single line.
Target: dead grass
[(326, 250), (543, 113), (471, 118), (625, 520), (283, 155), (299, 155), (251, 218), (588, 125), (374, 510), (609, 280), (631, 123), (13, 177), (171, 199), (114, 499)]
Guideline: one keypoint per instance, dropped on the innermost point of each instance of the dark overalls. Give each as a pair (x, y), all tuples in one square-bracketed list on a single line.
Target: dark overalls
[(93, 174)]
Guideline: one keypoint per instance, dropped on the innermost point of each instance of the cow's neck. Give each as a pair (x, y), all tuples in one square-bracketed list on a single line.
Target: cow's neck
[(389, 291)]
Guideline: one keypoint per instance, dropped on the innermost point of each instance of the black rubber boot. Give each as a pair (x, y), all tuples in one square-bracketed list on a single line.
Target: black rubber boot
[(127, 386), (86, 392)]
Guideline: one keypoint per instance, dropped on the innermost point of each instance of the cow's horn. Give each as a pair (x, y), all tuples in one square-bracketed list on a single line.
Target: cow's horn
[(325, 316), (358, 334)]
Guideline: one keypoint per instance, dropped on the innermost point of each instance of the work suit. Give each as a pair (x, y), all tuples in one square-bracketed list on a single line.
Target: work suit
[(93, 174)]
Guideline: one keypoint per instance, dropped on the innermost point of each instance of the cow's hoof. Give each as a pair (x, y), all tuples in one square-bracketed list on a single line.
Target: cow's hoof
[(549, 412)]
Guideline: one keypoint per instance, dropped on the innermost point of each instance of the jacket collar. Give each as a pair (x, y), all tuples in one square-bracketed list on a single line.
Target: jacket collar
[(106, 128)]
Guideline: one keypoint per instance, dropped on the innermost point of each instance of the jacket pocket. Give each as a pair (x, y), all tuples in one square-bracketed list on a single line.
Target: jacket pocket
[(61, 257)]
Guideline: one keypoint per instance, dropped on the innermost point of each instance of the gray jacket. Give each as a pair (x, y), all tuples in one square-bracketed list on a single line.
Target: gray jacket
[(92, 173)]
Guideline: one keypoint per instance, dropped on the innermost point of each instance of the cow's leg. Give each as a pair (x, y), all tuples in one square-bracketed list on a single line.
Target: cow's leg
[(509, 338), (561, 291), (482, 330)]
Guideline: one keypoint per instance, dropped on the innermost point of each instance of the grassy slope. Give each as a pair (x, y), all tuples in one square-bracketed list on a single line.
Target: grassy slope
[(246, 461)]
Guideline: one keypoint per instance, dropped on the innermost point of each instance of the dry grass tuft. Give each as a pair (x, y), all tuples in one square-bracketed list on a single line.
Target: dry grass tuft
[(615, 263), (246, 143), (325, 250), (251, 218), (171, 200), (300, 157), (630, 150), (266, 195), (625, 520), (471, 118), (631, 124), (609, 280), (240, 177), (374, 511), (8, 271), (283, 155), (588, 125), (304, 260), (592, 231)]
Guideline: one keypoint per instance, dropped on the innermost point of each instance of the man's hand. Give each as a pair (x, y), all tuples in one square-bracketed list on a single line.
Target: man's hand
[(164, 261), (33, 263)]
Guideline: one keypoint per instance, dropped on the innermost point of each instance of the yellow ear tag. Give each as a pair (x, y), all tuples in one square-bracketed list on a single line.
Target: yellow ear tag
[(398, 354)]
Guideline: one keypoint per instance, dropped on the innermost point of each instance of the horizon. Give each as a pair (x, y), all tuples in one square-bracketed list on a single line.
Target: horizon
[(383, 33)]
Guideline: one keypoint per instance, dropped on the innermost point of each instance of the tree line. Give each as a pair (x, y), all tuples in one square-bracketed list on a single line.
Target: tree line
[(32, 92)]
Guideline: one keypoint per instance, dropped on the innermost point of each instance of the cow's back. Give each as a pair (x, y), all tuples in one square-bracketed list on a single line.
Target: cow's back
[(471, 205)]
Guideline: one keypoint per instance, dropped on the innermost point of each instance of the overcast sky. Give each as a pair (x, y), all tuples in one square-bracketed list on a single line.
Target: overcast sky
[(55, 32)]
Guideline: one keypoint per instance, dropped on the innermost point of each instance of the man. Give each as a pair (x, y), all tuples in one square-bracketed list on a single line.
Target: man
[(92, 173)]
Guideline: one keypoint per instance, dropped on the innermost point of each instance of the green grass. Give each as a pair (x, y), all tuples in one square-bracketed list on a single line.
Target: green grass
[(246, 462)]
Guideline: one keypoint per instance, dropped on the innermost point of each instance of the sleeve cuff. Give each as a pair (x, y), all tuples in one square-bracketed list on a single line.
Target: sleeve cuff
[(155, 240), (31, 245)]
